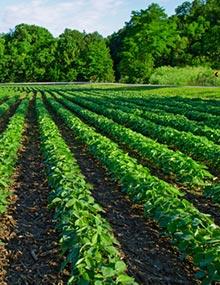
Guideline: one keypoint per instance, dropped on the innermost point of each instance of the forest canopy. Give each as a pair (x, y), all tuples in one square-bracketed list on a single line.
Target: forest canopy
[(151, 39)]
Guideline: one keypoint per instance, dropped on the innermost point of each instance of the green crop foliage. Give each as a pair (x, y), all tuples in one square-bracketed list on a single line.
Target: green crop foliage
[(189, 103), (7, 105), (193, 232), (10, 142), (176, 121), (199, 148), (159, 103), (210, 120), (181, 167), (87, 240)]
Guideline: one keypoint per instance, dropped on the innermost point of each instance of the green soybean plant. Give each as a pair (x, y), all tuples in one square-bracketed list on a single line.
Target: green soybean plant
[(87, 239), (194, 233), (10, 142)]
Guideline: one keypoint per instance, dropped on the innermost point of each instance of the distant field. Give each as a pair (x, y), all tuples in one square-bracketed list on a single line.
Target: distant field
[(131, 178)]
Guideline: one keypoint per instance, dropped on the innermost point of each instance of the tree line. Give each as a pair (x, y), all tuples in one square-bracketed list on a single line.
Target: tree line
[(149, 40)]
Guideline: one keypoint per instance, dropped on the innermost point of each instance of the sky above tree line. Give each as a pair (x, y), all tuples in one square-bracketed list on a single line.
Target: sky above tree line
[(104, 16)]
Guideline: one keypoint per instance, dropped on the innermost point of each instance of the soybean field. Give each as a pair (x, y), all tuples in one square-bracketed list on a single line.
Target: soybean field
[(109, 184)]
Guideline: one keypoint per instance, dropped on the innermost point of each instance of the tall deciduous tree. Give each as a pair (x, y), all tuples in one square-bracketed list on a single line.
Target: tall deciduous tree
[(3, 60), (95, 60), (30, 51), (147, 40), (69, 46), (198, 22)]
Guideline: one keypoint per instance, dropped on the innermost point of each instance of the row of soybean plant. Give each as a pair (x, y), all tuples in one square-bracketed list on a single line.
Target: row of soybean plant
[(177, 165), (199, 148), (87, 239), (194, 104), (198, 113), (160, 117), (194, 233), (10, 143), (213, 121)]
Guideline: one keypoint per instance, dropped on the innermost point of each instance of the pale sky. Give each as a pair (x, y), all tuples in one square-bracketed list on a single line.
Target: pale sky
[(104, 16)]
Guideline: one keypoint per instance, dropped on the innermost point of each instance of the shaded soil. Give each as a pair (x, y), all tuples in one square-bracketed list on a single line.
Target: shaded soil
[(30, 252), (203, 204), (4, 119), (150, 257)]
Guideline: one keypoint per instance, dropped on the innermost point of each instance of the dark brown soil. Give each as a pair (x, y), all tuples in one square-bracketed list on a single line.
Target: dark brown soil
[(30, 254), (151, 259)]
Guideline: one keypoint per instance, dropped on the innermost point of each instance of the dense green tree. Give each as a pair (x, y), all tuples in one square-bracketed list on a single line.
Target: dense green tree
[(147, 40), (2, 59), (212, 36), (183, 10), (151, 39), (95, 61), (69, 46), (198, 22), (30, 51), (115, 43)]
